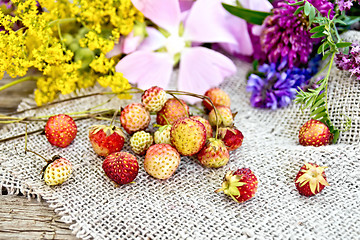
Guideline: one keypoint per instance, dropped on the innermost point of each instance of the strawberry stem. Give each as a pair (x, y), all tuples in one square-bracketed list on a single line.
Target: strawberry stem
[(182, 104)]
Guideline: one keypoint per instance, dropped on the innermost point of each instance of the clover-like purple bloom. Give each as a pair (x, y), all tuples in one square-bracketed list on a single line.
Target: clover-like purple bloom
[(350, 62)]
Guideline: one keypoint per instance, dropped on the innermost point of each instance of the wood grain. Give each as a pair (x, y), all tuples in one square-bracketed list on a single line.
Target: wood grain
[(20, 218)]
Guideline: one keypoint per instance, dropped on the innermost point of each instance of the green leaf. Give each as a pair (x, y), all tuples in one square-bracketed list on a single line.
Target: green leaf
[(319, 35), (312, 15), (318, 110), (343, 44), (322, 48), (307, 8), (254, 17), (326, 55), (336, 135), (320, 115), (320, 28), (296, 4), (298, 10)]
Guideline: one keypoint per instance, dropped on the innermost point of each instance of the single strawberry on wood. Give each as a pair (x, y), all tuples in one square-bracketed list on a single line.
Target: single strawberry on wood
[(240, 185), (60, 130), (311, 179)]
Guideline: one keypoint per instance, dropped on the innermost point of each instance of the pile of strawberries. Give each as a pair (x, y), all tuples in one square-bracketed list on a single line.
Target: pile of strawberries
[(178, 134)]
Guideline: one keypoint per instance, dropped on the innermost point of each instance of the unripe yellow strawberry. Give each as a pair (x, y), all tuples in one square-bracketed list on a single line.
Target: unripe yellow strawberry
[(140, 142), (57, 171), (224, 116)]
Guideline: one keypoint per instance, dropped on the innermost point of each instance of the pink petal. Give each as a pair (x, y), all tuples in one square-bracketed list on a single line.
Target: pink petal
[(153, 41), (131, 43), (117, 50), (257, 5), (202, 68), (238, 28), (185, 5), (208, 22), (146, 69), (164, 13)]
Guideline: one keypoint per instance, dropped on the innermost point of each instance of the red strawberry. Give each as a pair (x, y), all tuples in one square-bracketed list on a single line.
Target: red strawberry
[(161, 161), (214, 154), (154, 99), (208, 128), (231, 137), (172, 110), (60, 130), (134, 117), (218, 97), (121, 167), (241, 185), (188, 136), (311, 179), (106, 139), (314, 133)]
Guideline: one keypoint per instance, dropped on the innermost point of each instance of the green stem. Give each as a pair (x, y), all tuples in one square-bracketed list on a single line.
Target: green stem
[(60, 21), (20, 80), (326, 80)]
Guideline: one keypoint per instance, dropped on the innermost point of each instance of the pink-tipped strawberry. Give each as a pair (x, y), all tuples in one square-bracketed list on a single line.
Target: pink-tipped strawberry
[(121, 167), (140, 142), (60, 130), (218, 97), (57, 171), (240, 185), (208, 128), (134, 117), (314, 133), (188, 136), (172, 111), (106, 139), (225, 117), (154, 99), (161, 161), (231, 137), (311, 179), (214, 154)]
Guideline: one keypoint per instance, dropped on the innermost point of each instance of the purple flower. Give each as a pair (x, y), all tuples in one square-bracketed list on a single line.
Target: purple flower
[(286, 35), (350, 62), (345, 4), (276, 85)]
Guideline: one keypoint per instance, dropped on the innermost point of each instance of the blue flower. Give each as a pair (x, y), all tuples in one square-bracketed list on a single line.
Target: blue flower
[(276, 85)]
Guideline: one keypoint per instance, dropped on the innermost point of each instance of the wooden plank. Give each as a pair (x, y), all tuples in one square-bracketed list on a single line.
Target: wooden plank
[(21, 218)]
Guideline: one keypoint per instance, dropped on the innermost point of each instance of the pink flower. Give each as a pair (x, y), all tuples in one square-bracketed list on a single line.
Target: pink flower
[(200, 68)]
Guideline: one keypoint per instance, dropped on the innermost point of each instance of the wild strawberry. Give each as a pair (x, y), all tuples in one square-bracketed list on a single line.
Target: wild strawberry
[(154, 99), (172, 111), (121, 167), (106, 139), (231, 137), (314, 133), (224, 116), (140, 142), (208, 128), (311, 179), (188, 136), (241, 185), (162, 135), (60, 130), (214, 154), (134, 117), (57, 171), (218, 97), (161, 161)]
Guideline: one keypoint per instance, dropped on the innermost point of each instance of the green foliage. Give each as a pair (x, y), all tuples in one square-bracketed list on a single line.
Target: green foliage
[(325, 28), (251, 16)]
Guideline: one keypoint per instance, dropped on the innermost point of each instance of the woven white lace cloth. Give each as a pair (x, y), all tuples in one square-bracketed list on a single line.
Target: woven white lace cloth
[(186, 206)]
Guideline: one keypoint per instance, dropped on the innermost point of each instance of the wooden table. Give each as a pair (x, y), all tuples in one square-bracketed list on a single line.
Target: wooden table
[(19, 217)]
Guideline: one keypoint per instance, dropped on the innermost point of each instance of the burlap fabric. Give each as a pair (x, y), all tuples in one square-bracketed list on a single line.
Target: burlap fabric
[(185, 206)]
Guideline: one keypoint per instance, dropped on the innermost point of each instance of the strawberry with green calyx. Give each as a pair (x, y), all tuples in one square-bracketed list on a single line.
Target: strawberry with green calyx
[(188, 136), (57, 171), (162, 135), (121, 167), (224, 116), (154, 99), (232, 137), (311, 179), (218, 98), (208, 128), (134, 117), (60, 130), (240, 185), (314, 133), (161, 161), (214, 154), (173, 110), (106, 139), (140, 142)]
